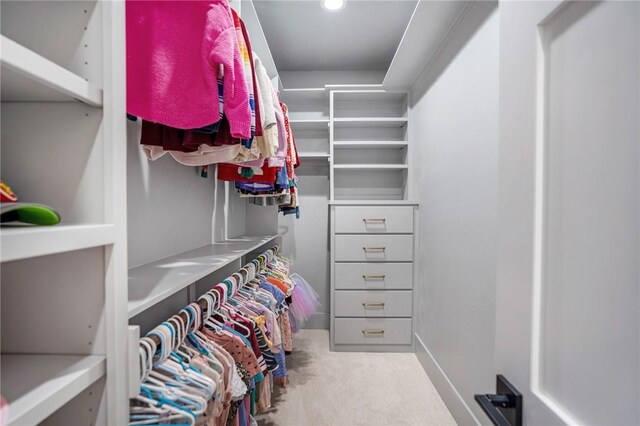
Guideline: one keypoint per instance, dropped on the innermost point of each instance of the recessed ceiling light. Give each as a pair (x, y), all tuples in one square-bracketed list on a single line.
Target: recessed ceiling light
[(333, 4)]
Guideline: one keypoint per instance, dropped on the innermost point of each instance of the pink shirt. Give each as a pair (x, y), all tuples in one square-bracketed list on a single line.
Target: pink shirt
[(174, 52)]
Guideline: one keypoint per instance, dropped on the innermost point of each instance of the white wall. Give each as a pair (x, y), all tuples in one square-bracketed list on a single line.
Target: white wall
[(454, 133), (170, 207)]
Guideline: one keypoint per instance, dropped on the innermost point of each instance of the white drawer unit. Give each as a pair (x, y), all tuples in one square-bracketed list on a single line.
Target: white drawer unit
[(373, 276), (374, 248), (374, 220), (372, 331), (373, 303)]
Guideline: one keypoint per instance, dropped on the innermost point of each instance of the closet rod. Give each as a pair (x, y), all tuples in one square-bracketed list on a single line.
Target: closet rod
[(263, 259)]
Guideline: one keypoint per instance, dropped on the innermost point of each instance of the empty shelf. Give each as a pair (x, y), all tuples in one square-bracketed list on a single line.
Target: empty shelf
[(313, 155), (373, 202), (27, 242), (370, 122), (318, 94), (154, 282), (371, 166), (314, 124), (377, 86), (364, 96), (370, 144), (37, 385), (29, 77)]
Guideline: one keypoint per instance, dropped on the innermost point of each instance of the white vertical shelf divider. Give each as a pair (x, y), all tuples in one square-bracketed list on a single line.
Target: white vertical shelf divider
[(332, 153), (45, 381), (116, 263)]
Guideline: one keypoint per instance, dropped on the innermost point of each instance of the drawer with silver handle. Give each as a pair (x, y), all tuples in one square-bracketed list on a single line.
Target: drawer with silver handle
[(373, 303), (372, 331), (374, 248), (373, 276), (374, 220)]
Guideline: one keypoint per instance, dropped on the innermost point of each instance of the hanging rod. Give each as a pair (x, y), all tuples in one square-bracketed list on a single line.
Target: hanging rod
[(262, 258)]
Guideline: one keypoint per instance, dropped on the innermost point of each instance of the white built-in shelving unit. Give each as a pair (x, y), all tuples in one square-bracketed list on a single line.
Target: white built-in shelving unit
[(63, 144), (369, 145), (372, 221), (359, 135)]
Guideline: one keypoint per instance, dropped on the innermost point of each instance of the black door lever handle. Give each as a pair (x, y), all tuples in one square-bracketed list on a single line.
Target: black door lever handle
[(505, 407)]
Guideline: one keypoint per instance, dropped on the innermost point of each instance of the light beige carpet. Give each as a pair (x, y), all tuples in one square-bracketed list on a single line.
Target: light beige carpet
[(343, 388)]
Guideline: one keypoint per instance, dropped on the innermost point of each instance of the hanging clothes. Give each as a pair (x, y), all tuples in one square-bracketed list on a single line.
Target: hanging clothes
[(204, 97), (215, 362), (173, 52)]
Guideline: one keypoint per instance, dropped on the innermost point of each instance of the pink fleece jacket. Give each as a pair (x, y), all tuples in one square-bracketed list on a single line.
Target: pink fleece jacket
[(174, 52)]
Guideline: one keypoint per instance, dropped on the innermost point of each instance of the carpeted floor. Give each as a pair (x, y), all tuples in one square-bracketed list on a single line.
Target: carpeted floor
[(340, 388)]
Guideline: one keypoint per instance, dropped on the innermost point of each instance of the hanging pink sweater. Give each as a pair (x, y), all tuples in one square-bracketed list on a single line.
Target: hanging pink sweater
[(174, 52)]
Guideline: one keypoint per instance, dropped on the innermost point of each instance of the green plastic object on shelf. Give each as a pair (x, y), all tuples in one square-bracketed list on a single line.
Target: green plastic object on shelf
[(13, 212)]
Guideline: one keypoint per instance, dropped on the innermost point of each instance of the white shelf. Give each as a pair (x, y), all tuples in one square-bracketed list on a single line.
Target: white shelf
[(364, 96), (37, 385), (154, 282), (373, 202), (313, 155), (370, 166), (370, 122), (312, 124), (353, 86), (370, 144), (27, 242), (318, 94), (29, 77)]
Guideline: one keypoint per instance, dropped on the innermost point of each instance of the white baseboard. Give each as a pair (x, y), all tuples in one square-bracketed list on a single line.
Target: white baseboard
[(450, 395)]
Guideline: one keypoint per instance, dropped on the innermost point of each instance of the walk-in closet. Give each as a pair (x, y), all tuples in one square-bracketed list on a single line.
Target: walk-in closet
[(319, 212)]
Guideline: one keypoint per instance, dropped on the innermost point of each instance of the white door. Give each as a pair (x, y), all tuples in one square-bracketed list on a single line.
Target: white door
[(568, 324)]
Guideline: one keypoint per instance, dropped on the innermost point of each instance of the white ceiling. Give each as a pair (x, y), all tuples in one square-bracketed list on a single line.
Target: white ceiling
[(364, 35)]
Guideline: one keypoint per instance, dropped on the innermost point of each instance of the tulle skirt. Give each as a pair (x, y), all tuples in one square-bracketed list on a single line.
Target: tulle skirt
[(304, 302)]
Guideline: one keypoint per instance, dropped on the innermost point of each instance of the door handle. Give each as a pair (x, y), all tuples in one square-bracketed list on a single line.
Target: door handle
[(504, 408), (374, 220), (373, 305), (373, 332)]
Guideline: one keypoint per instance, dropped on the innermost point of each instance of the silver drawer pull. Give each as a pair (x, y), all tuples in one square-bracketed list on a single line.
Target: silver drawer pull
[(374, 248), (373, 305), (374, 220), (373, 332), (373, 277)]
